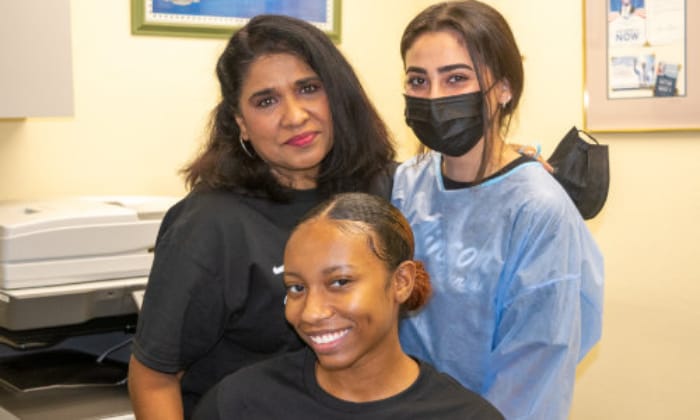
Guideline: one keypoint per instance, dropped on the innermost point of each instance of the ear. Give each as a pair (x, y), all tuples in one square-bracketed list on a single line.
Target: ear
[(242, 125), (403, 280), (503, 92)]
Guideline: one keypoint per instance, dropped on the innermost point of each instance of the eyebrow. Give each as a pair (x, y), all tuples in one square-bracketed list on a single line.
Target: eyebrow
[(333, 269), (443, 69), (298, 83), (326, 271), (261, 93)]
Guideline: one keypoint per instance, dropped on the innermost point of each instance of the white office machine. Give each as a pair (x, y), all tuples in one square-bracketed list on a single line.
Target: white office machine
[(72, 272)]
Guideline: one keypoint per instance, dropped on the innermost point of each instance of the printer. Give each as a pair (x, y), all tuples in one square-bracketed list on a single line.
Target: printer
[(72, 275)]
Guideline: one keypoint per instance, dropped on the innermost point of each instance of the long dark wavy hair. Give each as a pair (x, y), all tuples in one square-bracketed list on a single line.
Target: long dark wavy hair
[(362, 147), (492, 48)]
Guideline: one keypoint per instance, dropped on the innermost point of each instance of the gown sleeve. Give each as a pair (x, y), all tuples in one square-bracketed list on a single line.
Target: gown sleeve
[(549, 316)]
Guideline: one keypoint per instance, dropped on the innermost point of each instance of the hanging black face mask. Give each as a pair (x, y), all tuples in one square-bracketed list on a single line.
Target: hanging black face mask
[(583, 169), (452, 125)]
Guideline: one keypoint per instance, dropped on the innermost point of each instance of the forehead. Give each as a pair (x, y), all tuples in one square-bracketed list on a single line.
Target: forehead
[(323, 241), (437, 48), (272, 70)]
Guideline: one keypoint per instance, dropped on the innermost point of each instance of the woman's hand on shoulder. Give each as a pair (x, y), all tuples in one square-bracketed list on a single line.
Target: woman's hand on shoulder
[(533, 152)]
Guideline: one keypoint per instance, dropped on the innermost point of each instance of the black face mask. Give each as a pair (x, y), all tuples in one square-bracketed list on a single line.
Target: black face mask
[(583, 169), (452, 125)]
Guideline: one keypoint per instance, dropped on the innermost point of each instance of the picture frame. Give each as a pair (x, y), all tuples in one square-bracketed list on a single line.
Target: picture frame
[(221, 18), (641, 75)]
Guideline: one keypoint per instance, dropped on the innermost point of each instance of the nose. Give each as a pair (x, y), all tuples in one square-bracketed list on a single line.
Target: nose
[(437, 91), (316, 307), (295, 112)]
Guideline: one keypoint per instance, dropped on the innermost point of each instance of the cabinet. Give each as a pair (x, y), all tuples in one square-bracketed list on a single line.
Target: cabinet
[(36, 77)]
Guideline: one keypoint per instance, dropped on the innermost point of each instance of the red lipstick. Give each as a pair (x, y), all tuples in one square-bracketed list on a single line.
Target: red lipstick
[(302, 140)]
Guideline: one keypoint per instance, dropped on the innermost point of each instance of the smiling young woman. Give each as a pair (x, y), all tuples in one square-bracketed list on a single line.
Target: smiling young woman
[(343, 300), (349, 274)]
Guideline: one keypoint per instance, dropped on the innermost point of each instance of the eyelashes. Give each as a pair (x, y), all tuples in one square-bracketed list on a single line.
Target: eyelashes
[(305, 89)]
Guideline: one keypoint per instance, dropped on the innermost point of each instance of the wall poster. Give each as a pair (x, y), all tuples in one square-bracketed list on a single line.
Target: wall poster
[(641, 65), (220, 18)]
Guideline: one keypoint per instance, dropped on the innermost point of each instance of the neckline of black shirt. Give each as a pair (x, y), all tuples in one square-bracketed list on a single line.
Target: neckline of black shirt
[(451, 184)]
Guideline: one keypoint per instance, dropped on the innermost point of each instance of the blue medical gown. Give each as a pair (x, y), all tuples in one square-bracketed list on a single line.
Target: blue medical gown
[(518, 285)]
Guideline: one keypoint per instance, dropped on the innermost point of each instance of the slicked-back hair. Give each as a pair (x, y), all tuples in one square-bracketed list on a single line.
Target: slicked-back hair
[(361, 143), (389, 234)]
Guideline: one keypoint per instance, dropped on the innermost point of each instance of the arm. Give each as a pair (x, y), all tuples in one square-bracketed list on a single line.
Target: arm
[(534, 363), (180, 320), (154, 395), (549, 316)]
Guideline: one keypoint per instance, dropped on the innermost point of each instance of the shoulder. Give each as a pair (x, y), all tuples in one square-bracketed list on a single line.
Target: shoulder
[(541, 217), (415, 176), (416, 164), (382, 183), (207, 203), (266, 375), (435, 380), (201, 205), (252, 386), (535, 193), (547, 237), (205, 212), (454, 400), (204, 228), (286, 364)]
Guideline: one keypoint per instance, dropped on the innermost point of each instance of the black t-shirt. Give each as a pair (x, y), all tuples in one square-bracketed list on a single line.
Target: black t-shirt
[(286, 388), (214, 299)]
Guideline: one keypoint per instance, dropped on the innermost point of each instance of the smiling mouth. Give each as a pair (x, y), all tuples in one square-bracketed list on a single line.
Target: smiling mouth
[(329, 337)]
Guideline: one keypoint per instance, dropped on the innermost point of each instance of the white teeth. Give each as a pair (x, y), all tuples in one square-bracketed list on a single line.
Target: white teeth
[(327, 338)]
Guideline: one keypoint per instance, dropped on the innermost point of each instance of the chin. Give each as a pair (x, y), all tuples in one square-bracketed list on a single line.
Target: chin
[(332, 365), (335, 362)]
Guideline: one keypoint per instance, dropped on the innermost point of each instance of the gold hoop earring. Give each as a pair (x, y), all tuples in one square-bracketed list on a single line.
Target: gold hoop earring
[(245, 148)]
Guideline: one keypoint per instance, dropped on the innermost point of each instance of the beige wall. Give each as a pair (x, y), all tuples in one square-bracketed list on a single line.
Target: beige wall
[(141, 104)]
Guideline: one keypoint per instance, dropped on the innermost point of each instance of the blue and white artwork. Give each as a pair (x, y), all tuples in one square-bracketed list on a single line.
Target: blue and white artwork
[(309, 10)]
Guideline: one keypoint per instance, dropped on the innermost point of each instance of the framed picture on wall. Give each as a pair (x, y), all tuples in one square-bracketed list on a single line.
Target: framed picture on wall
[(641, 65), (220, 18)]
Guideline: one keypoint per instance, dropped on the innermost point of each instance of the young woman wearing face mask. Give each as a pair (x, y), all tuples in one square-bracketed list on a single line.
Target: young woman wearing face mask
[(293, 127), (518, 279), (349, 272)]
